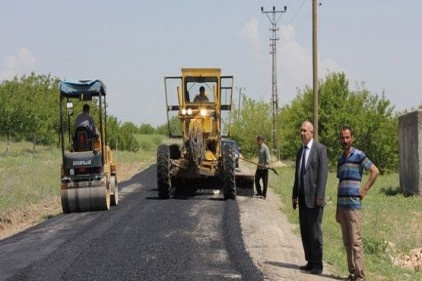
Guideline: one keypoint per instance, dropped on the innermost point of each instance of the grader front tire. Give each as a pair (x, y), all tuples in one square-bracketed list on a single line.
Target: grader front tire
[(229, 183), (163, 171)]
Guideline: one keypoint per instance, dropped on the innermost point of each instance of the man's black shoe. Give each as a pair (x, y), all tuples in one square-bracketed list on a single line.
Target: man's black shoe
[(316, 270), (307, 267)]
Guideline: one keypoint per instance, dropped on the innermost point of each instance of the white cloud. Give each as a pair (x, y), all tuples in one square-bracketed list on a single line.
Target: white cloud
[(20, 63), (295, 65), (250, 34)]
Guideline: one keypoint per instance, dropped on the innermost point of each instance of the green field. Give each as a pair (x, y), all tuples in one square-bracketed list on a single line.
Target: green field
[(392, 225)]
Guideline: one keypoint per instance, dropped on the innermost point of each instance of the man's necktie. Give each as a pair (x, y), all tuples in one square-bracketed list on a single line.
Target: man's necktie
[(302, 167)]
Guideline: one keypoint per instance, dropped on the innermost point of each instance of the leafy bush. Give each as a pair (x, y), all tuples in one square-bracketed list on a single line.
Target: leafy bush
[(146, 129), (157, 140), (375, 247), (121, 137), (146, 145)]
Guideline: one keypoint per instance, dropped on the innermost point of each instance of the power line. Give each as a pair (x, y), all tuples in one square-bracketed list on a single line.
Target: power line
[(297, 12)]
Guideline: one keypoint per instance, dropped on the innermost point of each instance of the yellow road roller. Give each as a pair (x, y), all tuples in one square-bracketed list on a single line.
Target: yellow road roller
[(88, 173)]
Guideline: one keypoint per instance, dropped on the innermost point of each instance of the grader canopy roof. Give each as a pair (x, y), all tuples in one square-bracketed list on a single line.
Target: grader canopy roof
[(87, 88)]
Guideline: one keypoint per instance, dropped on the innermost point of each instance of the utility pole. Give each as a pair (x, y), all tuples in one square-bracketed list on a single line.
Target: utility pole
[(315, 66), (275, 15)]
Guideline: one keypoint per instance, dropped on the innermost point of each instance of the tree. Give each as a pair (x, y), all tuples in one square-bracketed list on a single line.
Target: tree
[(253, 119), (29, 111), (29, 108), (120, 137), (162, 129), (370, 116), (129, 127), (146, 129)]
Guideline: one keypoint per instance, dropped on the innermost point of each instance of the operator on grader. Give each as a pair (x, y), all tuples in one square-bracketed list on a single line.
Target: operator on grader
[(201, 97)]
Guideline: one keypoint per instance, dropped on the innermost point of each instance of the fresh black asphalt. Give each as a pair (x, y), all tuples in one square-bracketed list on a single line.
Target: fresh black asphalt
[(143, 238)]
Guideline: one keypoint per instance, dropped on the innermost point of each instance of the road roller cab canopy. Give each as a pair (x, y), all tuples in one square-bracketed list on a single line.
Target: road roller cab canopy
[(84, 89)]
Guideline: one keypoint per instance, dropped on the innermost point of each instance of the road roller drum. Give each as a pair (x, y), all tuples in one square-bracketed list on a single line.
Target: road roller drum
[(83, 199)]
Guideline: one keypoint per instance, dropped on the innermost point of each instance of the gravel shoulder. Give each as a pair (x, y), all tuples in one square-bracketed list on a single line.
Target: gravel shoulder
[(271, 243)]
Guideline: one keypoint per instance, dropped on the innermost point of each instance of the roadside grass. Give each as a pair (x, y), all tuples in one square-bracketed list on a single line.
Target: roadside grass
[(392, 225), (28, 178), (144, 156)]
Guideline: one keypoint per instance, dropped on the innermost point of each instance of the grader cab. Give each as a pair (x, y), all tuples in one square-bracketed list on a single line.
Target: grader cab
[(88, 173), (198, 111)]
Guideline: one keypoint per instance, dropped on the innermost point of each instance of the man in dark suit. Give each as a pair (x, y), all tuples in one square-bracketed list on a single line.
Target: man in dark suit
[(309, 193)]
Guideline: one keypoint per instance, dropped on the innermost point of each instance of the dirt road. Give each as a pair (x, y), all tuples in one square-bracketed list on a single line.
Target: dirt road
[(271, 243)]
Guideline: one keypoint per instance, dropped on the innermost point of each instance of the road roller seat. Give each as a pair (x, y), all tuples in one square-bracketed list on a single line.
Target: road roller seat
[(83, 139)]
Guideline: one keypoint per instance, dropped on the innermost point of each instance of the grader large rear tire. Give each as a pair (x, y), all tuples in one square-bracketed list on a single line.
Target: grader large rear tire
[(114, 189), (163, 171), (229, 183), (84, 199)]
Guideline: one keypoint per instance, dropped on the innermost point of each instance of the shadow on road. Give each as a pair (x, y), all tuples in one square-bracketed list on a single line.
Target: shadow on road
[(294, 266)]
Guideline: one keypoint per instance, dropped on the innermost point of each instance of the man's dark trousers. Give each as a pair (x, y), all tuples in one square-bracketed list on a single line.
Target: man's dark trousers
[(310, 229), (261, 174)]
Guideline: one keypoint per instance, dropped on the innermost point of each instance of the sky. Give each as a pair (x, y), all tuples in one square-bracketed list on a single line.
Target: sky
[(131, 45)]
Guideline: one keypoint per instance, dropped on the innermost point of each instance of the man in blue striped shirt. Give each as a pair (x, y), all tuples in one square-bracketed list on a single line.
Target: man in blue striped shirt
[(350, 166)]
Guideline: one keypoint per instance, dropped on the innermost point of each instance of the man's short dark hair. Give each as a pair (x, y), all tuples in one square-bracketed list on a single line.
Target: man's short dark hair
[(260, 138), (202, 89), (347, 128), (85, 108)]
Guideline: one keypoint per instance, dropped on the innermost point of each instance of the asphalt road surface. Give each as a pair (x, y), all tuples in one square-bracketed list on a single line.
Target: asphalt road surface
[(143, 238)]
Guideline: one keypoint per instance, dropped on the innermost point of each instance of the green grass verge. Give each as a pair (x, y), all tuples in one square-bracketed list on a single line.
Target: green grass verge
[(27, 177), (392, 225)]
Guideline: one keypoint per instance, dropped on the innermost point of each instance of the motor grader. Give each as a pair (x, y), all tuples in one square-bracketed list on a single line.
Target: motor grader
[(88, 173), (198, 104)]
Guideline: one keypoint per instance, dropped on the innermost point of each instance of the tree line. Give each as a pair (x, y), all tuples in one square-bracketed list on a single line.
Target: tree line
[(372, 117), (29, 111)]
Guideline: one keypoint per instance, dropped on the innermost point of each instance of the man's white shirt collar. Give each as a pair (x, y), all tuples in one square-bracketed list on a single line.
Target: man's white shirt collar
[(309, 145)]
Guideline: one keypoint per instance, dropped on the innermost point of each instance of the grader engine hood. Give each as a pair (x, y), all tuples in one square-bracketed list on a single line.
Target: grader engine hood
[(86, 159)]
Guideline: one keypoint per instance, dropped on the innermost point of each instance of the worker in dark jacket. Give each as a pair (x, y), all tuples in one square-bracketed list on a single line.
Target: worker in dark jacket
[(264, 160)]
